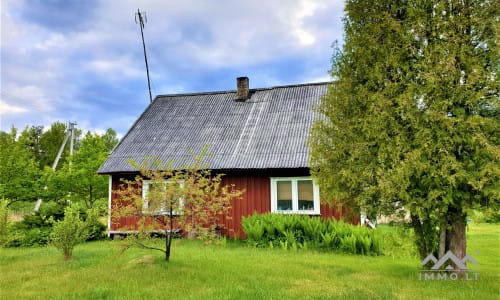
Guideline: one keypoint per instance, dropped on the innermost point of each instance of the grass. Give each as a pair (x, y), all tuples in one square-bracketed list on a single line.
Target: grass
[(232, 271)]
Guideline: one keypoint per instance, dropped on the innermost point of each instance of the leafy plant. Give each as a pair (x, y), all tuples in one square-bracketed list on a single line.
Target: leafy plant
[(69, 232), (254, 228), (306, 232), (188, 199), (4, 222)]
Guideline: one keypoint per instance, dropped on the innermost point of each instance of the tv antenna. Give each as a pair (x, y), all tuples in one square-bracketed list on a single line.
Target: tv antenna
[(140, 18)]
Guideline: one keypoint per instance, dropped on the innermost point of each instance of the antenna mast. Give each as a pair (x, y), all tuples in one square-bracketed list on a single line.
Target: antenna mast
[(140, 18)]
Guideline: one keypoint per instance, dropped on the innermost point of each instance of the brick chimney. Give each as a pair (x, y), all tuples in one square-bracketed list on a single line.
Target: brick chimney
[(243, 91)]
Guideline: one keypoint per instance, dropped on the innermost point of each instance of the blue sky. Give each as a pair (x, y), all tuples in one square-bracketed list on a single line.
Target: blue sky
[(82, 61)]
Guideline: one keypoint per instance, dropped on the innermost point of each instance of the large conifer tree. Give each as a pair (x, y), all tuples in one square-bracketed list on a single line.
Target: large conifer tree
[(411, 119)]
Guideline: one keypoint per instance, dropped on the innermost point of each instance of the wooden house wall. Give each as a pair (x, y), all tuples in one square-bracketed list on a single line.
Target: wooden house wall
[(256, 198)]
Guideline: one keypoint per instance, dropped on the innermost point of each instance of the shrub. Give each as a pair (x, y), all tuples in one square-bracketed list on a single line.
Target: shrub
[(485, 215), (94, 227), (35, 229), (69, 232), (4, 222)]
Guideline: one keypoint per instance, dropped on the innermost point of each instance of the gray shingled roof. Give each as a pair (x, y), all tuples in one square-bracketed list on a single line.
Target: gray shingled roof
[(267, 131)]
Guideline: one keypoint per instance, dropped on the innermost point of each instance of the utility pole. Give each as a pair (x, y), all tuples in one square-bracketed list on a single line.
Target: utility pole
[(140, 19), (70, 134)]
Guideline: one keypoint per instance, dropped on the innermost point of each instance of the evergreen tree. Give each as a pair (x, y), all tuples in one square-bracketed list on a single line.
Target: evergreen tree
[(411, 119)]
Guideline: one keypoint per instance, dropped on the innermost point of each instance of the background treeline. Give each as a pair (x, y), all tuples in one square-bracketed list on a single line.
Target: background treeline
[(27, 156), (26, 175)]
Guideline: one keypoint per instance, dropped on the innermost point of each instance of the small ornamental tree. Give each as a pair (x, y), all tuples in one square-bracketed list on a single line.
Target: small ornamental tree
[(69, 232), (206, 201), (188, 200)]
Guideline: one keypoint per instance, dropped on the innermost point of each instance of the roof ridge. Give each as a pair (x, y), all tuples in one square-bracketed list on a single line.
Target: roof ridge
[(234, 91)]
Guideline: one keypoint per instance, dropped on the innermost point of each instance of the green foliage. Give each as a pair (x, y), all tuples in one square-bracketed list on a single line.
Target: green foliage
[(35, 229), (412, 117), (69, 232), (77, 180), (26, 160), (50, 142), (487, 215), (29, 237), (4, 222), (397, 240), (95, 229), (188, 199), (305, 232), (19, 173)]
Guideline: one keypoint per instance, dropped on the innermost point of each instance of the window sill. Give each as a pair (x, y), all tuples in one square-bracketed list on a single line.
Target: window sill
[(160, 213), (297, 212)]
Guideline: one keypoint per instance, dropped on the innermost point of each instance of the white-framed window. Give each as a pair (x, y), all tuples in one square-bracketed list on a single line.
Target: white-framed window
[(151, 189), (299, 195)]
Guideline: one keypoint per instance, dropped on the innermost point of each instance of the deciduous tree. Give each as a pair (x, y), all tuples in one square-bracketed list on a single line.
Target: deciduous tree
[(189, 198), (19, 173)]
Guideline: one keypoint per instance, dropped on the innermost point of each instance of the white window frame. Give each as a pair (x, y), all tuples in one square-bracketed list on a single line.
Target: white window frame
[(295, 196), (163, 210)]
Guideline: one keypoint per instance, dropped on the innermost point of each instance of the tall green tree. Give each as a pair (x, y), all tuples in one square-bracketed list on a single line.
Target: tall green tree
[(110, 139), (77, 178), (19, 173), (85, 183), (411, 119), (50, 142)]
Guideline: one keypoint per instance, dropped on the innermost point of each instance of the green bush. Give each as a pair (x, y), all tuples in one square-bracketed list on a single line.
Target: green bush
[(398, 240), (95, 228), (302, 231), (484, 215), (69, 232), (35, 229), (4, 222)]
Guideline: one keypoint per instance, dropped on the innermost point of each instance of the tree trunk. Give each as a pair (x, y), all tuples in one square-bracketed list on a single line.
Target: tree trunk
[(426, 237), (456, 232), (168, 243), (442, 238)]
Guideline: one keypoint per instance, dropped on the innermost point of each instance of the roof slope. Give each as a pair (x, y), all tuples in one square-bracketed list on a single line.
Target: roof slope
[(269, 130)]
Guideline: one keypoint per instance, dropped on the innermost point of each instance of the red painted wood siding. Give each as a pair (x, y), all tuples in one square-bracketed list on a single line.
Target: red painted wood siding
[(256, 198)]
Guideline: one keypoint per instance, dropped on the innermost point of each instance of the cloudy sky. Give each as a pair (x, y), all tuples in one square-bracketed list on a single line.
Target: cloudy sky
[(82, 61)]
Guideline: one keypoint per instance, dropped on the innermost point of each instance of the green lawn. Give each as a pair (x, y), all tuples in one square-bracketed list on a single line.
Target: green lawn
[(196, 271)]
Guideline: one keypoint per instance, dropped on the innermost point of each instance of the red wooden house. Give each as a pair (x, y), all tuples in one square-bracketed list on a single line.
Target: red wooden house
[(258, 138)]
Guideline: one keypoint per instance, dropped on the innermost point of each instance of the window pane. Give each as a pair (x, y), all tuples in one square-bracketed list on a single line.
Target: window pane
[(284, 195), (305, 194)]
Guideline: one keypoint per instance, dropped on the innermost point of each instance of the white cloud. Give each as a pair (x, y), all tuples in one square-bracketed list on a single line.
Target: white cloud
[(11, 109), (26, 98), (117, 68), (50, 72), (294, 19)]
